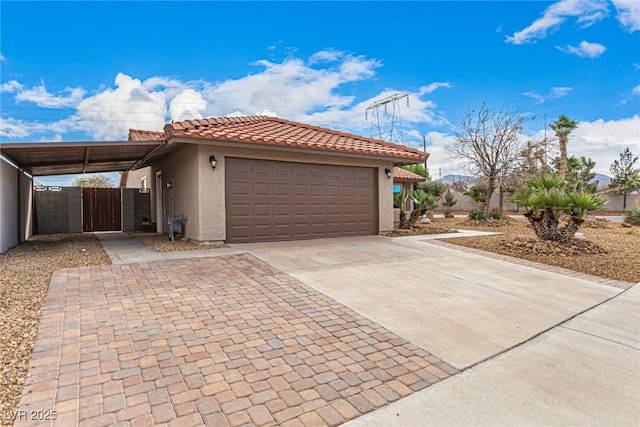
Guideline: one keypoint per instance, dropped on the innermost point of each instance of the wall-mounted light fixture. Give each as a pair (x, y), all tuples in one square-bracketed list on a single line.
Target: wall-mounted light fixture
[(388, 172), (213, 161)]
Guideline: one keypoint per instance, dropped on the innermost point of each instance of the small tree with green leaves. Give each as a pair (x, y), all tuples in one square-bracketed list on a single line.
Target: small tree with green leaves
[(626, 178), (448, 203), (478, 194), (546, 197)]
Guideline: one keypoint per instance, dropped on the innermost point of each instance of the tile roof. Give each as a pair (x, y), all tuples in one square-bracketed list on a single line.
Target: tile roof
[(145, 135), (276, 131), (402, 175)]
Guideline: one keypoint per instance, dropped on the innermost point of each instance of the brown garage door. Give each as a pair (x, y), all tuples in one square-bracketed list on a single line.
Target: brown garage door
[(268, 200)]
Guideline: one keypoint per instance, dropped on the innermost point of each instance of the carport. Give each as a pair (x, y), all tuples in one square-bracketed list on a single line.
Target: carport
[(22, 162)]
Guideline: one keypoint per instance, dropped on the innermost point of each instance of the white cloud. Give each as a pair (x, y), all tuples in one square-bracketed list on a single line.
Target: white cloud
[(603, 141), (188, 104), (554, 93), (42, 98), (628, 14), (11, 86), (636, 66), (431, 87), (636, 90), (17, 128), (294, 89), (291, 89), (2, 58), (109, 114), (329, 55), (586, 12), (68, 97), (584, 49), (440, 162)]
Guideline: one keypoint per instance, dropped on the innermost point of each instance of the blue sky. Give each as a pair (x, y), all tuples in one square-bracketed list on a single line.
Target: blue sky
[(81, 71)]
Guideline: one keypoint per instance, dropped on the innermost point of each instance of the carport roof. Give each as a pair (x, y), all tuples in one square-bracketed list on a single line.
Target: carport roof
[(59, 158)]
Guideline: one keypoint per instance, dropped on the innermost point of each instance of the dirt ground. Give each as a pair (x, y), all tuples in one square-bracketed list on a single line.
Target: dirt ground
[(162, 243), (24, 279), (610, 250)]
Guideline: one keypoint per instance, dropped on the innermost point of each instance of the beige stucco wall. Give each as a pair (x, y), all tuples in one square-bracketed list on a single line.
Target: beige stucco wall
[(198, 191), (212, 182)]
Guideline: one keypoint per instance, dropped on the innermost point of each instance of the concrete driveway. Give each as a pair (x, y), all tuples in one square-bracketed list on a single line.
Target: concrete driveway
[(536, 346), (370, 331)]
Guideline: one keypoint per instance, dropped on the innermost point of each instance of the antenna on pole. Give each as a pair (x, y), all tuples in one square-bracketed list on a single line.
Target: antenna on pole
[(385, 125)]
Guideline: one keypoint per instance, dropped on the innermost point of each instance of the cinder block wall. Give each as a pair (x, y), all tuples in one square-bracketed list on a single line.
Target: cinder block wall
[(614, 203), (58, 211), (136, 206)]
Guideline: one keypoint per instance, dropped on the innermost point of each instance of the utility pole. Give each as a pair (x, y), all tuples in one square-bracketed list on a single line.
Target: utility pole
[(424, 147)]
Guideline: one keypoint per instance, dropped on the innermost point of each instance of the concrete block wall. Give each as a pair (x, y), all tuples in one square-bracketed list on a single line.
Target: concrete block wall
[(466, 203), (136, 206), (58, 210)]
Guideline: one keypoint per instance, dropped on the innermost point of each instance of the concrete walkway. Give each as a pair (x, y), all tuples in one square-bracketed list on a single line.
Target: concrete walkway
[(123, 248), (584, 372)]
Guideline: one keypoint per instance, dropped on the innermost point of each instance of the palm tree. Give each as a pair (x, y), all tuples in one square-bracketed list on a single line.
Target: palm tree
[(563, 127), (546, 197)]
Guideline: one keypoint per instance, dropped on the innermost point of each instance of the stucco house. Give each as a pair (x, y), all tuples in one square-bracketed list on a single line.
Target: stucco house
[(259, 178)]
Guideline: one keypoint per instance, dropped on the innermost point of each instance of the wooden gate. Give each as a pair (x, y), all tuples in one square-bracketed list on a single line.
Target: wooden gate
[(101, 209)]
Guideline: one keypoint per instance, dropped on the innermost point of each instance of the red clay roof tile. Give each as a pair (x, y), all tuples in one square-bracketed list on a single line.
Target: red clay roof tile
[(402, 175), (277, 131), (145, 135)]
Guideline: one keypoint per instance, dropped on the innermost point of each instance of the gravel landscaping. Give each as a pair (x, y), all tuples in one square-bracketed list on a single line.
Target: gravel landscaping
[(24, 278), (609, 249), (162, 243)]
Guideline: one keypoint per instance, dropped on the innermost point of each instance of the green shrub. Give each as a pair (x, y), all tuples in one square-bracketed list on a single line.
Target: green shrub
[(477, 214), (495, 213), (632, 216)]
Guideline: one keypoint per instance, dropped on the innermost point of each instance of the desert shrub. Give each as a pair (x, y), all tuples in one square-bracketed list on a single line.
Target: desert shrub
[(632, 216), (495, 213), (476, 214)]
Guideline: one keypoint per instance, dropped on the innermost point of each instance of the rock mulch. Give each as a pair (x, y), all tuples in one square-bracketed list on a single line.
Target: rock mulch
[(24, 278), (420, 229), (535, 246), (162, 243), (610, 251)]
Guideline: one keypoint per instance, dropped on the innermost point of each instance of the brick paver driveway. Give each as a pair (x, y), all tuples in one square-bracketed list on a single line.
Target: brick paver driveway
[(215, 341)]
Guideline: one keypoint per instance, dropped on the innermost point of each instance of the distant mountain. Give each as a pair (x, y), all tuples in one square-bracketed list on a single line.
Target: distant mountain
[(603, 180)]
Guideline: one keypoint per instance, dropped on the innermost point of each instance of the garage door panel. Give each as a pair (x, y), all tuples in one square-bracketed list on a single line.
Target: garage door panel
[(270, 200)]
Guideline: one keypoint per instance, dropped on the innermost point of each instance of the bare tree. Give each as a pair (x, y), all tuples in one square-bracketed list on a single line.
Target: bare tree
[(93, 181), (491, 144)]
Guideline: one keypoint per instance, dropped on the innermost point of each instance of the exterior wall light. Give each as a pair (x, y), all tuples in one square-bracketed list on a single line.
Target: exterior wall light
[(388, 172), (213, 161)]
